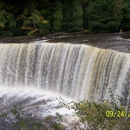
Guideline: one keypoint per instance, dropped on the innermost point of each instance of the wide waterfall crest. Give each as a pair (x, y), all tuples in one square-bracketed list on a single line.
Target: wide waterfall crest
[(77, 71)]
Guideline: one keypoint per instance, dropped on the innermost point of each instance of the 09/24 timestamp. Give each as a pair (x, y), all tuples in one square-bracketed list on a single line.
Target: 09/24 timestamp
[(118, 113)]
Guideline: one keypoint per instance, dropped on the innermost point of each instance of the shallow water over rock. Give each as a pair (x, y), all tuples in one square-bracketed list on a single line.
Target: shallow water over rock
[(115, 41)]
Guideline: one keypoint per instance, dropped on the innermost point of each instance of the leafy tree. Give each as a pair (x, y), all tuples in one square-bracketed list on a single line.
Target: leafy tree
[(58, 17), (32, 19), (73, 15), (77, 24), (68, 13), (102, 16), (45, 16), (126, 16), (46, 8), (118, 12), (85, 18), (6, 19)]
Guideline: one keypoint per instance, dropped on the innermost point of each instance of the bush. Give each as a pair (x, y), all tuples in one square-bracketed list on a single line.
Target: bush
[(101, 115)]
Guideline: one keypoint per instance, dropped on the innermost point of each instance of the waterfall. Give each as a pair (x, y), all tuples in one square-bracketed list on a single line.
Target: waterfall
[(77, 71)]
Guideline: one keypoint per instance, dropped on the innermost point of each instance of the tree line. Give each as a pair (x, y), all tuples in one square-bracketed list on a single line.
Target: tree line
[(35, 17)]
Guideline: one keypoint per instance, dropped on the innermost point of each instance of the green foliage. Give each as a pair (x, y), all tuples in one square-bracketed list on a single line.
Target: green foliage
[(32, 19), (57, 124), (104, 16), (73, 16), (118, 13), (126, 16), (97, 118), (6, 20), (46, 16), (22, 120), (58, 17), (77, 23), (68, 13), (85, 18), (102, 115)]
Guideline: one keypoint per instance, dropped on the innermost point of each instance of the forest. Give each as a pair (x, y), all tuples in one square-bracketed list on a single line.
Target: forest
[(40, 17)]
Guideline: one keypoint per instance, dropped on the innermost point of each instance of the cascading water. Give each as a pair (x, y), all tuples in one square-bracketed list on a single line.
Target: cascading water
[(80, 72)]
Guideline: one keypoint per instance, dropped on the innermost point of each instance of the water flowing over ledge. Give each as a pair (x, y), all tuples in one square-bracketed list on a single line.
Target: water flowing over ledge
[(80, 72)]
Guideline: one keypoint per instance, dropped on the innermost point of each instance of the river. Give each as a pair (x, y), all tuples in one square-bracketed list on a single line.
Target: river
[(115, 41), (76, 71)]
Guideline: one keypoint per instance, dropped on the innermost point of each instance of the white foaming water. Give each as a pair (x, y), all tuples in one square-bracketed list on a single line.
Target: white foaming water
[(35, 74), (38, 102), (80, 72)]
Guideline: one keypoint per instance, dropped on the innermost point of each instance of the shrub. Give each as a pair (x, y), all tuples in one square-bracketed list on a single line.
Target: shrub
[(103, 115)]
